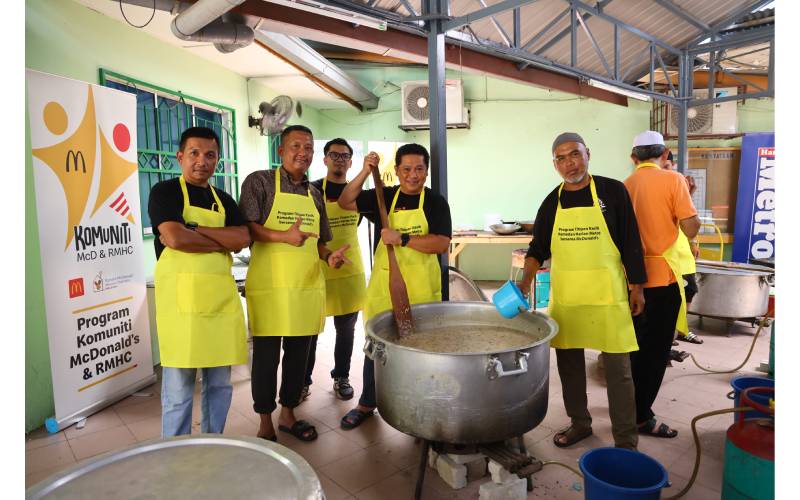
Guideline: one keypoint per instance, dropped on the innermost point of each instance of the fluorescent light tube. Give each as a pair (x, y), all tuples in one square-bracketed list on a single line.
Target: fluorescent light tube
[(333, 12), (619, 90)]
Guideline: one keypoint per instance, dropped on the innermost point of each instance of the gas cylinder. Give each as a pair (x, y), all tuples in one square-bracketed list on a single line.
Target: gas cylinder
[(749, 471)]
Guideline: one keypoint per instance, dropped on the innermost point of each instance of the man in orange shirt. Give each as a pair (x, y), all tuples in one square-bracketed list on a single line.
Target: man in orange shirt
[(662, 203)]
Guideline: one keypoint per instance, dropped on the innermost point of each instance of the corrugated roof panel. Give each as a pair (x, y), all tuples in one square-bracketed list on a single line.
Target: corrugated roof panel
[(647, 16), (536, 16)]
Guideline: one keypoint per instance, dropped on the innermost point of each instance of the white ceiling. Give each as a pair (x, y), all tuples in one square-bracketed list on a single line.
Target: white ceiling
[(252, 61)]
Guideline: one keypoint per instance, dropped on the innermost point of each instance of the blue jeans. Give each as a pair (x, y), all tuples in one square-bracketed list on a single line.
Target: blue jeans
[(177, 391)]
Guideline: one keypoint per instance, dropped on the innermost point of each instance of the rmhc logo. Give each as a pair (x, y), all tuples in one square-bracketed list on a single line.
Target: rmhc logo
[(75, 287)]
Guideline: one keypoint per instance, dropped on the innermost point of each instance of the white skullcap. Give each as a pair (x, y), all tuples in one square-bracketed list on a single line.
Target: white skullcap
[(648, 138)]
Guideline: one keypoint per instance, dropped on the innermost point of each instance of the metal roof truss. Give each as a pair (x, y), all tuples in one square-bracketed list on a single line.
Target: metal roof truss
[(706, 49)]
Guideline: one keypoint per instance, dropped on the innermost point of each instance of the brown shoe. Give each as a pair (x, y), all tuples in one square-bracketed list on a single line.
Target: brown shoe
[(570, 435)]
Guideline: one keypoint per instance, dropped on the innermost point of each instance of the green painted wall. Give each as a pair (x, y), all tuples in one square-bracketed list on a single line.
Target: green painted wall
[(503, 163), (68, 39)]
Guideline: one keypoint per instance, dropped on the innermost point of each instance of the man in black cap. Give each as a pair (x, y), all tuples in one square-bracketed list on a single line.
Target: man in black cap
[(588, 229)]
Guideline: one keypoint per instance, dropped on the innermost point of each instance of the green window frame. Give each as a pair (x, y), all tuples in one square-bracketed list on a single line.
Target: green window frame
[(161, 116), (273, 160)]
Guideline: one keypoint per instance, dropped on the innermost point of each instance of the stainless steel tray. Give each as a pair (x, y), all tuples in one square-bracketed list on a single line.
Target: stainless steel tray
[(202, 466)]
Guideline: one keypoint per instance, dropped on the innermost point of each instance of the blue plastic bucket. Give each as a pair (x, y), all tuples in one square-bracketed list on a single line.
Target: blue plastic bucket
[(617, 474), (508, 299), (741, 383)]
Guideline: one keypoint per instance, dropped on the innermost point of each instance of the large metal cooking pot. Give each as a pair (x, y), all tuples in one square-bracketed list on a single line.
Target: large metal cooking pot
[(462, 398), (730, 290)]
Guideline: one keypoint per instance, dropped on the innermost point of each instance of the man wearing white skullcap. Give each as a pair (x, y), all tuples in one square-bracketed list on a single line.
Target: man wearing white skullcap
[(663, 205)]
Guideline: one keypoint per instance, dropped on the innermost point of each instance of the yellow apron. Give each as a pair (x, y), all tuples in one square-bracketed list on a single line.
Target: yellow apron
[(421, 271), (589, 293), (687, 262), (198, 311), (285, 289), (345, 288), (680, 261)]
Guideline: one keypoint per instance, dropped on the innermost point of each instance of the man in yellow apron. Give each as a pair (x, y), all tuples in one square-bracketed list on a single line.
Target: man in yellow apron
[(421, 229), (345, 287), (285, 287), (198, 311), (663, 208), (587, 227)]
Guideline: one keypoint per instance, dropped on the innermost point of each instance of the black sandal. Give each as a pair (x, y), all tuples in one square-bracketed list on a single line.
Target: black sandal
[(663, 430), (301, 429), (676, 355), (354, 418)]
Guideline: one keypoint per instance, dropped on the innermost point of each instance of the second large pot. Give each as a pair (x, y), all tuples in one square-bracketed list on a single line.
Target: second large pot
[(727, 290), (462, 398)]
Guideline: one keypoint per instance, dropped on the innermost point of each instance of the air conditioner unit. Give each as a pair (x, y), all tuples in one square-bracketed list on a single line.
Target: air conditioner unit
[(706, 119), (415, 113)]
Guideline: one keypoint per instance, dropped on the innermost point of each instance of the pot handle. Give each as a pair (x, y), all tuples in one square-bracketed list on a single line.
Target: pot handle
[(369, 348), (376, 351), (494, 367)]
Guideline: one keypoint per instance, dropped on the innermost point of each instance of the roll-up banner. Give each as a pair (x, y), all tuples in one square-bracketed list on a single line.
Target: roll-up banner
[(83, 144), (754, 233)]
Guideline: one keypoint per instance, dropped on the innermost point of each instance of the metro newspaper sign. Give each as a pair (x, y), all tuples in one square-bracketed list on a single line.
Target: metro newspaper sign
[(754, 233)]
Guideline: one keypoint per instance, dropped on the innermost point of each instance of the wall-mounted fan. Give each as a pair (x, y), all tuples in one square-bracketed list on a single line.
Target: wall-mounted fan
[(274, 115)]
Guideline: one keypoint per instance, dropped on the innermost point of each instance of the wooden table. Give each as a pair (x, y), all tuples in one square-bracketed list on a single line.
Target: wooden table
[(460, 241)]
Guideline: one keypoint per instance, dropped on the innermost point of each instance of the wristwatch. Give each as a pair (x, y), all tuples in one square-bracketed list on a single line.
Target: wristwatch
[(404, 239), (191, 225)]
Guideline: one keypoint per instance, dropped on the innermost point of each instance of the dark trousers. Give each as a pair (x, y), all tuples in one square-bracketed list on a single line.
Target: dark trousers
[(264, 375), (572, 372), (368, 398), (342, 351), (691, 287), (654, 331)]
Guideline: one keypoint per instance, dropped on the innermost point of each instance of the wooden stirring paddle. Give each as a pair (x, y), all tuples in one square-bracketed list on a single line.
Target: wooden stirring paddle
[(397, 286)]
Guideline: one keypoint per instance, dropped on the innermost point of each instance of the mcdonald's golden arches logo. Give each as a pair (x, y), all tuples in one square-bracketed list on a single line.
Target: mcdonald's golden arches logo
[(75, 287)]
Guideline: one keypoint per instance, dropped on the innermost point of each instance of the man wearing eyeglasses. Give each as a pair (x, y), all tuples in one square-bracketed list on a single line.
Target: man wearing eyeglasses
[(588, 229), (345, 287)]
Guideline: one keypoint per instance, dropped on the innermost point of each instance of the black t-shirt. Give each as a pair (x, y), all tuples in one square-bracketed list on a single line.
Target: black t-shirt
[(333, 190), (615, 203), (436, 209), (166, 204)]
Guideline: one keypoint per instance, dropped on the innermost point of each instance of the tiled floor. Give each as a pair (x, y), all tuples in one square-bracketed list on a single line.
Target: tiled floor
[(377, 462)]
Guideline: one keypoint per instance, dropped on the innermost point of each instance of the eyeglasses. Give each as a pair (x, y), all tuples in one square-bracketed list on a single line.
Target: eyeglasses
[(339, 156)]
